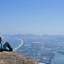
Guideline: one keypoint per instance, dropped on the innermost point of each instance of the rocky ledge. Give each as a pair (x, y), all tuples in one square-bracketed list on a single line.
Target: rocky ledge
[(13, 58)]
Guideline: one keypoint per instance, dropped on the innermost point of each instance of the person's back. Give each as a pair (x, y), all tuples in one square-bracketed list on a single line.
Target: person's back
[(5, 47), (1, 44)]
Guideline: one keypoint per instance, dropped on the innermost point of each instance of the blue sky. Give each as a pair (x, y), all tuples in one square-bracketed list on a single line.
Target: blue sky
[(32, 16)]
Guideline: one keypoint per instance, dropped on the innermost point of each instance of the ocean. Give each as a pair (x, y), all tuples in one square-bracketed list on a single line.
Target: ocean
[(58, 59)]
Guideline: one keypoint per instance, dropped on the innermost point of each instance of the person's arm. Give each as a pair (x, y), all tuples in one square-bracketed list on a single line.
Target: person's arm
[(7, 45)]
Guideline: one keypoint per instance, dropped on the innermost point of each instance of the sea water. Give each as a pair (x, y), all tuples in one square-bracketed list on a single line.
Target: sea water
[(58, 59)]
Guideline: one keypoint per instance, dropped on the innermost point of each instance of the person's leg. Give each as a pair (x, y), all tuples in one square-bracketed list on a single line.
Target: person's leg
[(7, 47)]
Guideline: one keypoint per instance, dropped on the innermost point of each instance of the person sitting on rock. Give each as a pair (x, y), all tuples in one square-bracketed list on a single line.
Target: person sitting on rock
[(5, 47)]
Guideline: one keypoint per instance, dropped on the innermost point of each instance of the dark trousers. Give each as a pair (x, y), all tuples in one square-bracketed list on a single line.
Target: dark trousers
[(6, 47)]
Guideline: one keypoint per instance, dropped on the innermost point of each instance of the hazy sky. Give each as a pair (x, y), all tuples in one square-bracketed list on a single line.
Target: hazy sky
[(32, 16)]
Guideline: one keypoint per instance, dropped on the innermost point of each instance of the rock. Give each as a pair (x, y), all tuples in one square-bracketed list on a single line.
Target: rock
[(13, 58)]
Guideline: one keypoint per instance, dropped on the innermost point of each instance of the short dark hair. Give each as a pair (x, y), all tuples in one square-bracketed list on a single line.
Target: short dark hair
[(0, 39)]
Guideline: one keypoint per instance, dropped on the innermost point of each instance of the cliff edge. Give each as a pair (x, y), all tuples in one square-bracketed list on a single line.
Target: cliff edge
[(13, 58)]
